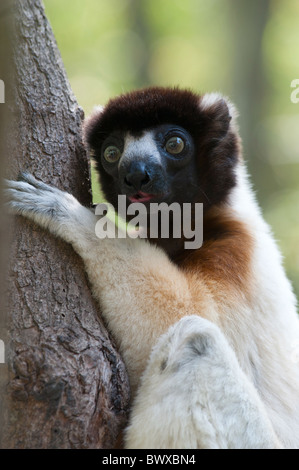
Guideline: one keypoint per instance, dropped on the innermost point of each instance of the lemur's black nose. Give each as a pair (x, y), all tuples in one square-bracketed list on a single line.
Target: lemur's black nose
[(137, 176)]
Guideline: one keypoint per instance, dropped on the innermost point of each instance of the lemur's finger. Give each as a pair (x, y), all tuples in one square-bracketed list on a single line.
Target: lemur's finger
[(27, 183), (15, 207), (29, 178), (18, 186), (24, 199)]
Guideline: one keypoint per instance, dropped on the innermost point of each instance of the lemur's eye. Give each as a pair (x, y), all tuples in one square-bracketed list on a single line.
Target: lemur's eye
[(174, 145), (112, 154)]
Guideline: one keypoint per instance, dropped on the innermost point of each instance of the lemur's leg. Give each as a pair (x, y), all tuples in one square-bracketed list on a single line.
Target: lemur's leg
[(193, 394)]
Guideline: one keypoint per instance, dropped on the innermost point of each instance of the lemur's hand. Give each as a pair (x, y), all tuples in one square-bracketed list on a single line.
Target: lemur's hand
[(38, 201), (49, 207)]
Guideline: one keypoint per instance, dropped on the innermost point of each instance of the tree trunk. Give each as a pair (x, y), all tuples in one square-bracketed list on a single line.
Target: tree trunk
[(4, 76), (66, 384)]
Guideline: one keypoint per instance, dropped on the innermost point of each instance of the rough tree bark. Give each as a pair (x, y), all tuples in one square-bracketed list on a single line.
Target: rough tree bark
[(4, 76), (66, 384)]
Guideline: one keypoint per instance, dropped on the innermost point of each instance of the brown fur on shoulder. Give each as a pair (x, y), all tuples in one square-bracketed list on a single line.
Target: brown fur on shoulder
[(224, 261)]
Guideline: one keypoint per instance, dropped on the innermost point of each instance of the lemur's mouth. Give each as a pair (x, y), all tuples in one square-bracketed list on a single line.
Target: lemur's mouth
[(141, 197)]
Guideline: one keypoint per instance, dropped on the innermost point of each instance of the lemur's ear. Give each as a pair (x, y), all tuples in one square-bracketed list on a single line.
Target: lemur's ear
[(221, 111), (90, 125)]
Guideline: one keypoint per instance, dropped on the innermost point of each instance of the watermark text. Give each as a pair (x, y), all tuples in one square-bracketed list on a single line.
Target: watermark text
[(158, 220), (2, 92), (2, 352), (295, 93)]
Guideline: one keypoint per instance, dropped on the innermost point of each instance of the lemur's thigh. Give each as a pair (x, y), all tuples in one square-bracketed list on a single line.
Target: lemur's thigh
[(194, 394)]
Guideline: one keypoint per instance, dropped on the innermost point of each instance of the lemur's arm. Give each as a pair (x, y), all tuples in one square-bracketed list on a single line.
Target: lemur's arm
[(142, 294), (140, 291)]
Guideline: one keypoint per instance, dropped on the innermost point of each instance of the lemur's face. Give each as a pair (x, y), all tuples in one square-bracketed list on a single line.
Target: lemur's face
[(164, 144), (154, 165)]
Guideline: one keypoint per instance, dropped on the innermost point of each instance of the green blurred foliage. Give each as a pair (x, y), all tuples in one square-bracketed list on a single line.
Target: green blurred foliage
[(248, 50)]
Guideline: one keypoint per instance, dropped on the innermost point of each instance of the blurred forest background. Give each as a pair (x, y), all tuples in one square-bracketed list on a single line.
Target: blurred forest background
[(246, 49)]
